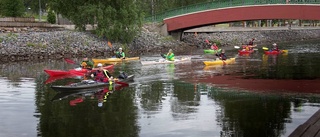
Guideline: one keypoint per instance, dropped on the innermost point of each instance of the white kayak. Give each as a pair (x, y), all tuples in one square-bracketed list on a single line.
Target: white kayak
[(163, 61)]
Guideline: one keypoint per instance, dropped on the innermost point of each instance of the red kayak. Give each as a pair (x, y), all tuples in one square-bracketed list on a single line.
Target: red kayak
[(274, 52), (78, 72), (56, 72), (242, 52)]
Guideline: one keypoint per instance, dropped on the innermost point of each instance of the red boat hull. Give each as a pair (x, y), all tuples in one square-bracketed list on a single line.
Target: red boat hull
[(77, 72), (241, 52)]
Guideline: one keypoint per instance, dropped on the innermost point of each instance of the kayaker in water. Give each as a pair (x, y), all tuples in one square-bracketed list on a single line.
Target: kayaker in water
[(120, 54), (169, 56), (222, 55), (214, 46), (86, 64), (102, 75)]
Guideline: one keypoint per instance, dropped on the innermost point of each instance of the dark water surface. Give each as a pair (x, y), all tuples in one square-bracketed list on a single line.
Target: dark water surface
[(257, 96)]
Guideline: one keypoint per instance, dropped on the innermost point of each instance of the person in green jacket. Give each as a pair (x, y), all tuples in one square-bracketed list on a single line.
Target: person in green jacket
[(120, 54), (169, 56), (86, 63)]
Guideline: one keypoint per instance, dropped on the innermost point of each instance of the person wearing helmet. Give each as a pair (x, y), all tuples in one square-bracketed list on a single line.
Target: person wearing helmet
[(102, 75), (86, 64), (120, 54), (222, 55), (275, 47), (169, 56)]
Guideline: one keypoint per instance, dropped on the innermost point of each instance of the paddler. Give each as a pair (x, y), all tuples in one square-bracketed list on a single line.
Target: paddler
[(222, 55), (169, 56), (120, 54), (214, 46), (86, 64), (102, 75)]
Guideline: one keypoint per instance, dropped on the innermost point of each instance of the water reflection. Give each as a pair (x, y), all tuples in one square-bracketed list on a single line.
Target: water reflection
[(246, 98)]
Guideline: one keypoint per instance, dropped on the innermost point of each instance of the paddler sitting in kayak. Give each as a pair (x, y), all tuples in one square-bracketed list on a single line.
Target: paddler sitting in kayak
[(102, 75), (120, 54), (86, 64), (169, 56), (222, 55), (214, 46), (249, 46)]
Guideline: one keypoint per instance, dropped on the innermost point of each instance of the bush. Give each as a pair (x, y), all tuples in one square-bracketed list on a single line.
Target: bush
[(51, 17)]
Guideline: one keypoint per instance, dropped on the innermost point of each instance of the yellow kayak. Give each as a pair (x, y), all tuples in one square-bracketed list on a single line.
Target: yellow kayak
[(107, 60), (219, 62)]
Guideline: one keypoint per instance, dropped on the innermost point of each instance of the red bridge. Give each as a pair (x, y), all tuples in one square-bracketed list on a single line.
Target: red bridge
[(178, 24)]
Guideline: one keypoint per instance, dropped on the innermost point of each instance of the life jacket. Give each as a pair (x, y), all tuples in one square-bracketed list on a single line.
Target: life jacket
[(101, 76), (170, 56), (214, 47), (223, 56)]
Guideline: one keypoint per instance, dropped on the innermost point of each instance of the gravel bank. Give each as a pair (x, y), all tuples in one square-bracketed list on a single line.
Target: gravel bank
[(66, 43)]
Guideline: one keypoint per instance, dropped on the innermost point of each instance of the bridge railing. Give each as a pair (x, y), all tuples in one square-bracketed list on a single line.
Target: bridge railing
[(220, 4)]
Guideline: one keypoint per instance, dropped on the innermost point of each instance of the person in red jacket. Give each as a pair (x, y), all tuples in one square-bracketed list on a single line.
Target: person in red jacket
[(214, 46), (102, 75)]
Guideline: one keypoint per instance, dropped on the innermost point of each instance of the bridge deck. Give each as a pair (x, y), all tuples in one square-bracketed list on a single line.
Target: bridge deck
[(311, 128)]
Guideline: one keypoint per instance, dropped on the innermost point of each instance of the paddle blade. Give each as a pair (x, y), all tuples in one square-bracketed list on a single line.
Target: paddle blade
[(109, 44), (236, 47), (284, 51), (207, 41), (265, 48), (69, 61), (163, 56)]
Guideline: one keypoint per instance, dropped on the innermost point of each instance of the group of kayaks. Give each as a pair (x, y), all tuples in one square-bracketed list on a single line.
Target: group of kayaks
[(84, 84), (240, 52)]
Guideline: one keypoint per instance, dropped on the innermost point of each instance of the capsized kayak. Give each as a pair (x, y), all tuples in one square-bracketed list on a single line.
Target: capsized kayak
[(220, 62), (87, 85), (96, 61), (211, 51), (275, 52), (163, 61)]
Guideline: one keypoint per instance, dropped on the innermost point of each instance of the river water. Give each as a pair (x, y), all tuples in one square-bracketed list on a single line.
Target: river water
[(258, 95)]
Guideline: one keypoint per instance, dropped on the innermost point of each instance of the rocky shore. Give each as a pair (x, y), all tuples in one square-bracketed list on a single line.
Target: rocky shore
[(58, 44)]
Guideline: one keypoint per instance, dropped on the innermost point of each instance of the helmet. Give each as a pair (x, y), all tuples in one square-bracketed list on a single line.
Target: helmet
[(120, 48), (274, 44), (99, 65)]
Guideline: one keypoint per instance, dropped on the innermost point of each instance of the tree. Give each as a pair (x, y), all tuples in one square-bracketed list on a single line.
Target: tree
[(51, 17), (118, 20), (12, 8)]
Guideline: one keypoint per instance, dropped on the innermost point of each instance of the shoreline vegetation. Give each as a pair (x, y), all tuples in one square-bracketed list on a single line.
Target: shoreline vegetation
[(36, 44)]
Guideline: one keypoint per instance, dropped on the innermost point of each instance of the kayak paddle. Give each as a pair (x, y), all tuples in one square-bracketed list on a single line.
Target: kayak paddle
[(236, 47), (162, 55), (69, 61), (265, 48)]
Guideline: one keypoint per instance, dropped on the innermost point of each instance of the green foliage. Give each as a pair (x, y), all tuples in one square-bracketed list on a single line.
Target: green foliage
[(51, 17), (217, 42), (118, 20), (12, 8)]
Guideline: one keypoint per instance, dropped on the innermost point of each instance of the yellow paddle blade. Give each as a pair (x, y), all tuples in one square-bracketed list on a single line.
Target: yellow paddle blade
[(284, 51), (265, 48)]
